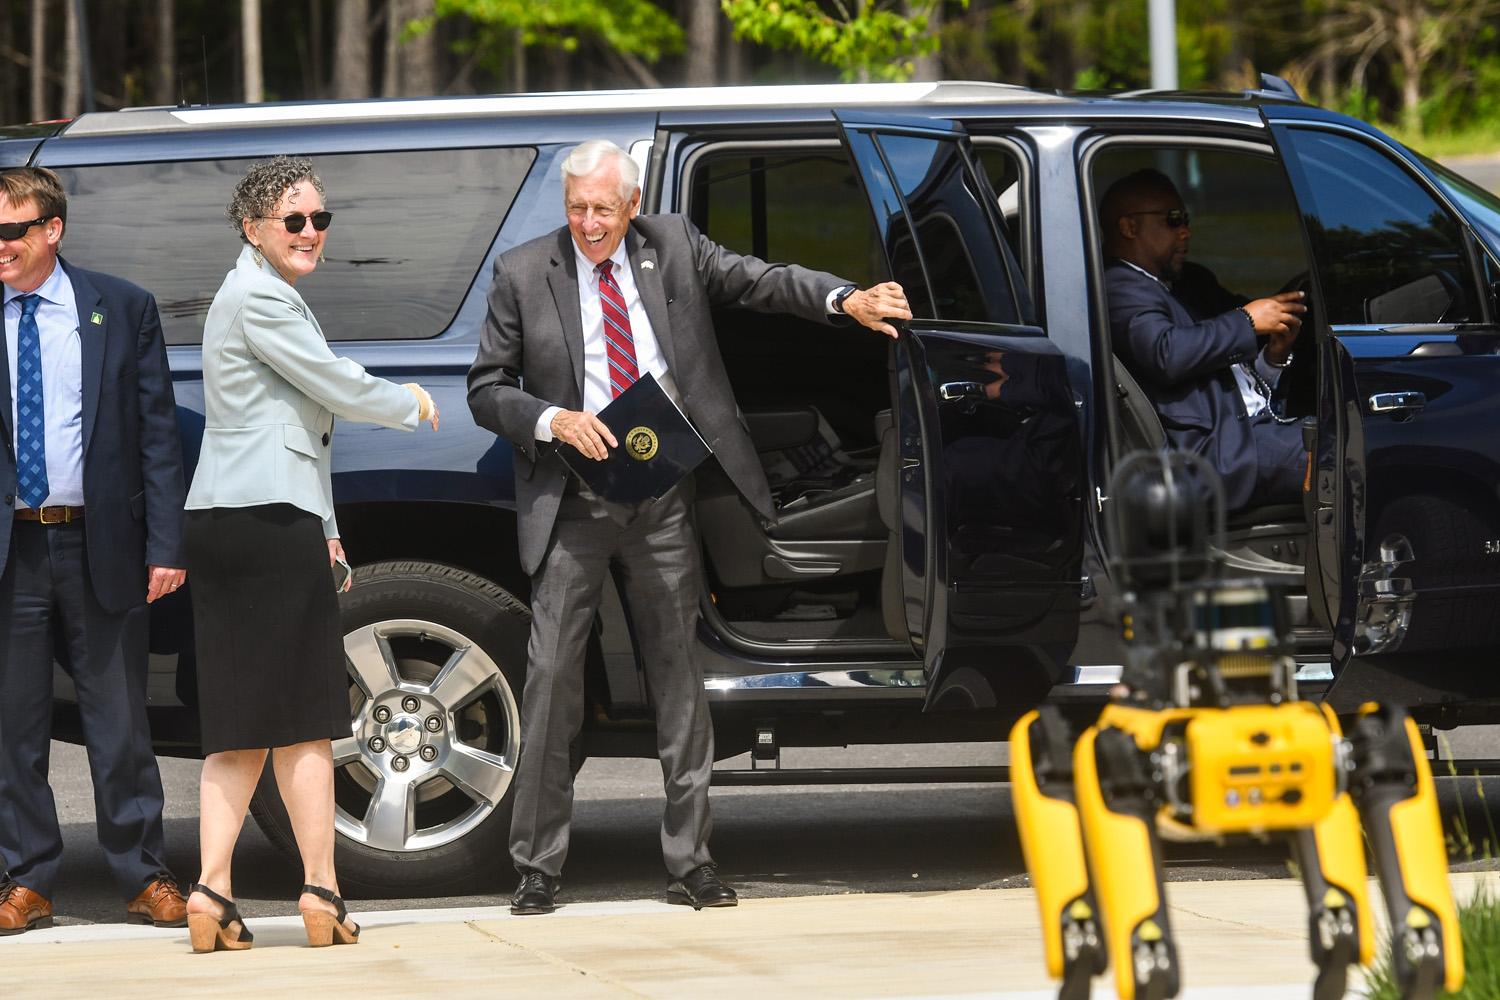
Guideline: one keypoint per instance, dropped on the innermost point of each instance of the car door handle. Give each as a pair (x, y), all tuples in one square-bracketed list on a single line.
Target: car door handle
[(1398, 402), (951, 391)]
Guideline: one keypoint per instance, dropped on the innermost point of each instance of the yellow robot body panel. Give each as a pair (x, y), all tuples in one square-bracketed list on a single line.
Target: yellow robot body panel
[(1418, 833), (1052, 842), (1145, 725), (1121, 863), (1260, 767)]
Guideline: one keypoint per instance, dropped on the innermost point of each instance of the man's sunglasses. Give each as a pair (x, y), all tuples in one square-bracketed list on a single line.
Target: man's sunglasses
[(17, 230), (1176, 218), (296, 222)]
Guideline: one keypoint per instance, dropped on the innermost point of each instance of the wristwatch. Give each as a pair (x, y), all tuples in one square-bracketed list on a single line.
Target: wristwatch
[(842, 294)]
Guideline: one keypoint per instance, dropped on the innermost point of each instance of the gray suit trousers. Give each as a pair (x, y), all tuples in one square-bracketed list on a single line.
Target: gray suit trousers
[(655, 549)]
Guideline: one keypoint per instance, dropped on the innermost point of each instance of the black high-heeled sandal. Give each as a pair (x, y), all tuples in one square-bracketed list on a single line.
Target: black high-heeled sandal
[(324, 929), (210, 933)]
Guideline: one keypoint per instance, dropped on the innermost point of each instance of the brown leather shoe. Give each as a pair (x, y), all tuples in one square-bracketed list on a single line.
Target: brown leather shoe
[(21, 909), (159, 904)]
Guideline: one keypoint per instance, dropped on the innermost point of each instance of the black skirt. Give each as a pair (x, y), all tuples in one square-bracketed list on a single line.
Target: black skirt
[(266, 621)]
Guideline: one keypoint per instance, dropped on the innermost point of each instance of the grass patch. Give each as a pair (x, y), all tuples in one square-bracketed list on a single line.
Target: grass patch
[(1479, 926), (1479, 139)]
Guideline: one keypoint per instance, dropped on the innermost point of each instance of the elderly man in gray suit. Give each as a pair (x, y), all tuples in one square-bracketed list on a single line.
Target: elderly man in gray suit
[(574, 318)]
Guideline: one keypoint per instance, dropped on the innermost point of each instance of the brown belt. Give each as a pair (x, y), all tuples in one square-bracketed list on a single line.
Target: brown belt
[(49, 515)]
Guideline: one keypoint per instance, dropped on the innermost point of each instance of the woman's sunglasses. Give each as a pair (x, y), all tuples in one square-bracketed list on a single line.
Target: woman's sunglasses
[(296, 222), (17, 230)]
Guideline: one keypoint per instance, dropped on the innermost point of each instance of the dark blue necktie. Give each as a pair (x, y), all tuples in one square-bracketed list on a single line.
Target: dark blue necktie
[(31, 421)]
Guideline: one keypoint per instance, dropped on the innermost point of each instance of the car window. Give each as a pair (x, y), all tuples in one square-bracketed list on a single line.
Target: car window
[(800, 206), (1481, 206), (1002, 167), (399, 261), (1245, 229), (1387, 251), (954, 242)]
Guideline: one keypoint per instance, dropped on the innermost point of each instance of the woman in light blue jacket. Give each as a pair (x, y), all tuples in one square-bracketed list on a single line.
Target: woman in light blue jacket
[(261, 539)]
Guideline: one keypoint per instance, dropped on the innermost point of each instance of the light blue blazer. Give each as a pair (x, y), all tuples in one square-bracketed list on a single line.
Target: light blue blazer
[(271, 388)]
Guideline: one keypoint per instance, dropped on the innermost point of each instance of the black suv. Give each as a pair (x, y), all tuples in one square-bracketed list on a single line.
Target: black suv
[(939, 562)]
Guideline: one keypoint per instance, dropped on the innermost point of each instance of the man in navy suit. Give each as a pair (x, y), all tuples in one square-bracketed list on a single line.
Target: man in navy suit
[(90, 533), (1195, 348)]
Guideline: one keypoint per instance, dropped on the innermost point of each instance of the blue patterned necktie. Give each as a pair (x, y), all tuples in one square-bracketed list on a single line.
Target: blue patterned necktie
[(31, 422)]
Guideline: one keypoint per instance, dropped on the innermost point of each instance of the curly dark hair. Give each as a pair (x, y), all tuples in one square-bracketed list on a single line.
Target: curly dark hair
[(257, 193)]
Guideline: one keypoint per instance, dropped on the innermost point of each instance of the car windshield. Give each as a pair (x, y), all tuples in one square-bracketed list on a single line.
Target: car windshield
[(1481, 206)]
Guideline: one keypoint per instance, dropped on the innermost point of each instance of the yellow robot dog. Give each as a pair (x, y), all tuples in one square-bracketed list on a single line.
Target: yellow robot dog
[(1206, 739)]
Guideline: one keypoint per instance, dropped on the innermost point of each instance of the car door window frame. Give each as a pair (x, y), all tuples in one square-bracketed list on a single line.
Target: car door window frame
[(1089, 149), (1026, 242)]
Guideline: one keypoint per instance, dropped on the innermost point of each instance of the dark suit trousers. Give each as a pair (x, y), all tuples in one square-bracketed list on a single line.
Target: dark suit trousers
[(45, 596), (1281, 463), (655, 550)]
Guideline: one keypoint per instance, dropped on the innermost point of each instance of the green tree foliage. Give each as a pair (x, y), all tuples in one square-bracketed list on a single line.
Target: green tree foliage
[(636, 27), (863, 39)]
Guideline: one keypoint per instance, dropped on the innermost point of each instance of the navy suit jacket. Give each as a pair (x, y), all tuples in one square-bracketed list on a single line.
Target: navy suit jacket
[(132, 452), (1183, 362)]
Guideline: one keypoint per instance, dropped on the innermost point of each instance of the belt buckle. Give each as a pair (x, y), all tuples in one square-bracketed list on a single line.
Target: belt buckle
[(64, 515)]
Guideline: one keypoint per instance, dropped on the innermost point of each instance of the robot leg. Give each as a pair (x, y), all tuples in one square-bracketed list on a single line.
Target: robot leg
[(1392, 785), (1041, 775), (1116, 804), (1331, 857)]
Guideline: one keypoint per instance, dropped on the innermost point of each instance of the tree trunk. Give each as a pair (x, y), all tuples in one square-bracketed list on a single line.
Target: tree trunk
[(518, 61), (72, 60), (315, 46), (419, 57), (390, 72), (10, 84), (164, 88), (735, 59), (928, 67), (38, 60), (702, 23), (1406, 42), (254, 83), (351, 49)]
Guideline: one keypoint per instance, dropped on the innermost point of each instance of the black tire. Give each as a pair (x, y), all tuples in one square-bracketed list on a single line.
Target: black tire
[(1447, 539), (428, 833)]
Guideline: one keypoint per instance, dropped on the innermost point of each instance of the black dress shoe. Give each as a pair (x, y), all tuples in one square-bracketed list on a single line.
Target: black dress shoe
[(701, 887), (534, 894)]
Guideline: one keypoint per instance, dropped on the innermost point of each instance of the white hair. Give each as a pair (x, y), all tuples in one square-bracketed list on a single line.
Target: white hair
[(587, 157)]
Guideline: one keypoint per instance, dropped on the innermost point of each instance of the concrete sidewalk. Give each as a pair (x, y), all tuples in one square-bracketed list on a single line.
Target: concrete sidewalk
[(1244, 940)]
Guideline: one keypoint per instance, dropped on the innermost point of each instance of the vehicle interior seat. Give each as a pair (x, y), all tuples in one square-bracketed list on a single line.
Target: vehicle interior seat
[(1268, 540), (827, 525)]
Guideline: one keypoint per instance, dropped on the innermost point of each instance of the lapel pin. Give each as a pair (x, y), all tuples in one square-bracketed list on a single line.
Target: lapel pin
[(97, 319), (647, 265)]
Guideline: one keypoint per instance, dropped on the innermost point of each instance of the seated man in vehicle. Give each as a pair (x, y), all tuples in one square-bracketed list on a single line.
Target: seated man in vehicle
[(1195, 347)]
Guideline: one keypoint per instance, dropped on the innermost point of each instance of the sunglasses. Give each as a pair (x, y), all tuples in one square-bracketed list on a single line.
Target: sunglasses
[(296, 222), (17, 230), (1175, 218)]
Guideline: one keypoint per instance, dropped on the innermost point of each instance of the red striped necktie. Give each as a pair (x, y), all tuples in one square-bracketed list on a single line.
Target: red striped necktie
[(619, 345)]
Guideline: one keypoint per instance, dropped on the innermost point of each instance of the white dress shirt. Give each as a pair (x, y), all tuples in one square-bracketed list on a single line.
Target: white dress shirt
[(648, 358), (62, 383), (1254, 401)]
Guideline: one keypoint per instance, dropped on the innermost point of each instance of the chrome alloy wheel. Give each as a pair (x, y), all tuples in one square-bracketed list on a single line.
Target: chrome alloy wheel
[(435, 735)]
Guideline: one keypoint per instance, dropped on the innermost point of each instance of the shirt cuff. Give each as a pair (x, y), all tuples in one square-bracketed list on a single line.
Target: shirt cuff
[(1266, 370), (543, 430)]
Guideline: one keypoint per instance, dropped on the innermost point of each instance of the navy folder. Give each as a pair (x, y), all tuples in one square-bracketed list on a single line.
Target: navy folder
[(658, 446)]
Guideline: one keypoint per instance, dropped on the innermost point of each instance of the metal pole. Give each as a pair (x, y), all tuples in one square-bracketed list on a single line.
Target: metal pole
[(1163, 44)]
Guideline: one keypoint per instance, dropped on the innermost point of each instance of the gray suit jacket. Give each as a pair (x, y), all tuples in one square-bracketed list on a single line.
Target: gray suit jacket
[(271, 388), (531, 350)]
